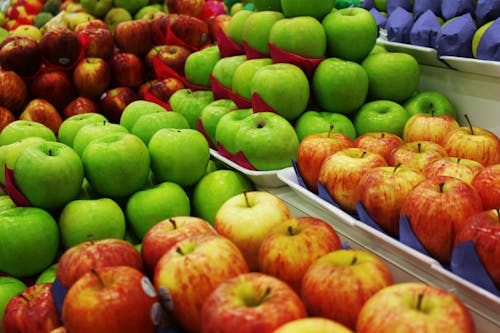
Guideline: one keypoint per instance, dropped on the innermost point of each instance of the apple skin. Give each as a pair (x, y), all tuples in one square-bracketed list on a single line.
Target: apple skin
[(127, 69), (6, 117), (200, 64), (257, 28), (383, 190), (382, 143), (437, 208), (242, 76), (160, 22), (461, 168), (218, 23), (381, 116), (57, 87), (164, 235), (42, 111), (246, 218), (261, 5), (95, 128), (81, 258), (174, 56), (487, 184), (21, 129), (413, 306), (91, 77), (417, 154), (110, 299), (32, 310), (311, 122), (14, 92), (235, 26), (312, 325), (135, 110), (212, 113), (341, 172), (483, 229), (429, 127), (163, 89), (134, 36), (289, 248), (101, 42), (183, 272), (9, 287), (249, 303), (60, 47), (191, 30), (21, 56), (189, 7), (312, 152), (224, 69), (431, 103), (80, 105), (148, 124), (337, 285), (113, 101), (227, 128), (316, 8), (190, 104)]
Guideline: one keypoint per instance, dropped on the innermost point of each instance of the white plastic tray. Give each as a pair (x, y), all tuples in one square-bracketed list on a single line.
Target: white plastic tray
[(424, 55), (476, 66)]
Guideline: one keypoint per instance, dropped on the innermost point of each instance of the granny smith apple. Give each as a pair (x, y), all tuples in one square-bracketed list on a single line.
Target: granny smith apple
[(235, 26), (178, 155), (19, 129), (284, 87), (211, 114), (227, 128), (339, 85), (267, 140), (257, 28), (91, 219), (117, 164), (71, 125), (147, 207), (49, 174), (242, 77), (30, 241), (9, 287), (378, 48), (97, 8), (261, 5), (134, 110), (214, 189), (315, 8), (48, 275), (190, 103), (351, 33), (224, 69), (381, 116), (92, 131), (148, 124), (430, 102), (116, 15), (6, 202), (200, 64), (320, 121)]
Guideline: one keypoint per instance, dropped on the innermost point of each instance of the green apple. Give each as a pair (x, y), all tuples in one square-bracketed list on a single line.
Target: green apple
[(430, 102), (242, 77), (315, 8), (320, 121), (200, 64), (147, 9), (30, 241), (90, 219), (147, 207), (257, 28), (132, 6), (267, 140), (381, 5), (116, 165), (302, 35), (148, 124), (9, 287), (224, 69), (3, 34), (190, 103), (134, 110), (214, 189), (378, 48), (261, 5), (284, 87), (92, 131), (339, 85), (98, 8), (49, 174), (211, 114), (351, 33), (227, 127), (478, 35), (235, 26), (116, 15), (6, 202), (19, 129), (71, 125), (381, 116), (178, 155), (48, 275)]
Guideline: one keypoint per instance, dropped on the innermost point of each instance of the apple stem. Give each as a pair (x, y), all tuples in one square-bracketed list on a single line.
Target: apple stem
[(99, 278), (330, 130), (174, 224), (470, 124), (179, 250), (396, 167), (382, 135), (90, 238), (290, 230), (458, 160), (441, 186), (50, 152), (432, 109), (498, 213), (246, 199), (264, 295), (419, 147), (420, 297), (363, 155), (354, 260)]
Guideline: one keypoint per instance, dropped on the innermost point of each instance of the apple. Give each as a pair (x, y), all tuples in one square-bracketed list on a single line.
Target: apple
[(101, 41), (437, 208), (186, 7), (191, 30), (381, 116), (182, 272), (160, 22), (42, 111), (224, 69), (382, 191), (48, 275), (339, 85), (190, 104), (314, 149), (97, 8), (311, 122), (60, 47), (247, 217), (110, 299), (135, 110), (21, 55), (95, 128), (218, 24), (21, 129), (312, 325), (185, 161), (200, 64), (96, 23), (113, 101), (134, 36), (35, 244), (57, 178), (32, 310), (163, 89), (14, 92), (242, 76), (257, 28), (382, 143), (127, 69), (174, 56), (267, 140), (261, 5), (9, 288), (328, 284), (250, 302), (429, 127), (227, 128), (461, 168), (292, 246), (341, 172), (116, 165), (417, 154), (316, 8), (431, 103), (10, 152), (56, 87), (78, 106), (6, 117), (424, 306), (91, 77), (212, 113), (148, 124), (144, 87), (487, 184), (282, 86)]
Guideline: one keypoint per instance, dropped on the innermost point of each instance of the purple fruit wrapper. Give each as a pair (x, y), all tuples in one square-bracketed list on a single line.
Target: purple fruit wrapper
[(454, 8), (399, 25), (455, 37), (421, 6), (380, 19), (487, 10), (391, 5), (425, 29), (489, 45)]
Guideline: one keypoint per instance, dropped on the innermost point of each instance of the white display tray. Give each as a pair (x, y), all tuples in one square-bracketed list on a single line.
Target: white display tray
[(476, 66), (424, 55)]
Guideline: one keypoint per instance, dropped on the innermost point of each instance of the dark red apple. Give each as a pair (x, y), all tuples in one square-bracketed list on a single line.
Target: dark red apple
[(42, 111), (56, 87), (191, 30), (80, 105), (144, 88), (159, 27), (216, 23), (134, 36), (187, 7), (101, 42), (13, 92), (148, 58), (113, 101), (6, 117), (92, 24), (163, 89), (174, 56), (92, 77), (60, 47), (127, 69), (21, 56)]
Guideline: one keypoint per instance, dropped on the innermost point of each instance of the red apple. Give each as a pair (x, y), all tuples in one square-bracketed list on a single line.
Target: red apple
[(191, 30), (174, 56), (91, 77), (127, 69), (56, 87), (159, 26), (341, 172), (487, 184), (382, 143), (289, 248), (21, 55), (148, 58), (91, 24), (462, 168), (437, 208), (112, 300), (192, 269), (80, 105), (163, 89), (6, 117), (187, 7), (338, 284), (60, 47), (33, 310), (134, 36), (417, 154), (427, 127), (81, 258), (101, 41), (42, 111), (14, 92), (383, 190), (143, 88), (216, 23), (113, 101), (314, 149), (249, 303), (32, 6)]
